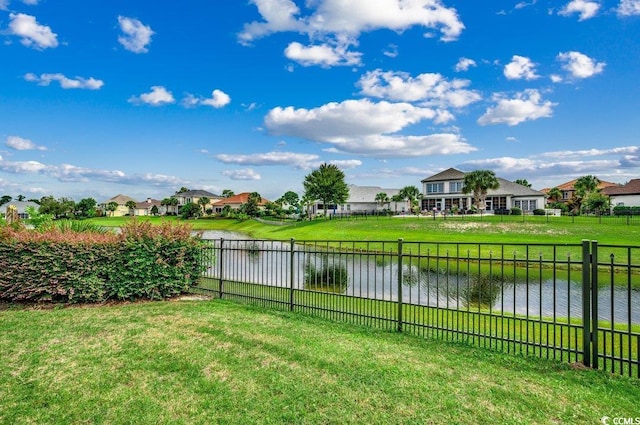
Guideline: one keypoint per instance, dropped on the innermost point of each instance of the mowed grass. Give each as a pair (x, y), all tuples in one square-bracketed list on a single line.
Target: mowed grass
[(487, 229), (220, 362)]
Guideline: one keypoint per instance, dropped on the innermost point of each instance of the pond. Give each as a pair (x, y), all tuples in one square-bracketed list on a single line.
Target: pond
[(375, 276)]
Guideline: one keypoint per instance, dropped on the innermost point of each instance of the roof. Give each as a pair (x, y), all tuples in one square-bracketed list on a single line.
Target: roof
[(120, 199), (450, 174), (368, 193), (197, 194), (631, 188), (570, 185), (240, 198), (149, 203)]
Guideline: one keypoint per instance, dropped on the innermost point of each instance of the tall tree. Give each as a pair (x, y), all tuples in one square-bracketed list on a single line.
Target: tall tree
[(554, 194), (479, 182), (203, 202), (252, 207), (327, 185), (131, 205), (411, 194), (182, 190), (112, 207), (5, 199), (227, 193), (382, 198), (523, 182), (585, 185), (86, 207)]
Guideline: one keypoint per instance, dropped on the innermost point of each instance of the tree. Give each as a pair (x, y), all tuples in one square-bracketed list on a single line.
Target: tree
[(86, 208), (479, 182), (112, 206), (307, 202), (154, 210), (382, 198), (596, 202), (20, 198), (327, 185), (523, 182), (58, 208), (291, 199), (169, 202), (397, 198), (190, 210), (5, 199), (585, 185), (203, 202), (252, 207), (554, 194), (411, 194), (131, 205), (227, 193)]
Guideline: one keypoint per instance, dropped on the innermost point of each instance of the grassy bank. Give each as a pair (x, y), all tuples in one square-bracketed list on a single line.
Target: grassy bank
[(218, 362)]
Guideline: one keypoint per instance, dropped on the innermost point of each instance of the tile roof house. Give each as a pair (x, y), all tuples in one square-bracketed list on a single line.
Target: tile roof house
[(145, 207), (236, 201), (627, 195), (568, 189), (194, 196), (443, 191)]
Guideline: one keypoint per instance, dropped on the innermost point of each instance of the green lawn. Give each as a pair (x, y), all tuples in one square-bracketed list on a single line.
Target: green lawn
[(219, 362), (488, 229)]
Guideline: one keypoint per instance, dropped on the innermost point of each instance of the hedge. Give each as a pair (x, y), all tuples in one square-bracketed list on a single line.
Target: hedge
[(141, 262)]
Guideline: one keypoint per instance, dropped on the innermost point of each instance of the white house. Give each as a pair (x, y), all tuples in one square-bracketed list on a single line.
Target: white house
[(443, 192), (627, 195), (362, 199)]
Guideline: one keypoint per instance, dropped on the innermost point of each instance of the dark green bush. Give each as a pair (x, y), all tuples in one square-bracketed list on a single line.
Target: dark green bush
[(623, 210), (539, 211), (143, 262), (516, 211), (329, 276)]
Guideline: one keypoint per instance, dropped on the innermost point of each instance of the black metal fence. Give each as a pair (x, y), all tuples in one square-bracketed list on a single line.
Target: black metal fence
[(572, 302)]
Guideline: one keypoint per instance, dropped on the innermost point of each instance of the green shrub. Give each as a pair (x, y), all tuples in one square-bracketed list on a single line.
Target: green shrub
[(539, 211), (143, 261), (516, 211), (483, 290), (330, 276)]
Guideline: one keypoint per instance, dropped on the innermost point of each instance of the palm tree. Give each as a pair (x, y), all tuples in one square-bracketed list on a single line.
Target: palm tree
[(411, 194), (555, 194), (203, 202), (479, 182), (131, 205), (584, 186), (397, 198), (112, 207), (382, 198)]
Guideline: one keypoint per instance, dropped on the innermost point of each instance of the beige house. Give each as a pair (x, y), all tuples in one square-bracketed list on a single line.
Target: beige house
[(121, 209), (193, 196), (145, 208)]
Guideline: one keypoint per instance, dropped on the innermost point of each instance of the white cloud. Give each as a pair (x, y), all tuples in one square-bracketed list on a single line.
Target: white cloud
[(524, 4), (555, 78), (345, 164), (156, 97), (333, 26), (323, 55), (73, 173), (244, 174), (297, 160), (218, 99), (586, 9), (391, 51), (464, 64), (624, 150), (580, 65), (66, 83), (428, 89), (136, 35), (520, 68), (366, 128), (20, 144), (4, 4), (629, 8), (33, 34), (525, 106)]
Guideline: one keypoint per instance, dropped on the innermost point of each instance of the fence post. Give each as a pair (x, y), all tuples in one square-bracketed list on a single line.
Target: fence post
[(400, 284), (586, 301), (291, 271), (594, 304), (220, 269)]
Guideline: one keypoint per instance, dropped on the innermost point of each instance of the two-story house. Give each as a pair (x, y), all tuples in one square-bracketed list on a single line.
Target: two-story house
[(443, 192)]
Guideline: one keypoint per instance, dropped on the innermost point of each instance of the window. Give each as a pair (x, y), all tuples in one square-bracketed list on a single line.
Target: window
[(435, 187), (455, 187)]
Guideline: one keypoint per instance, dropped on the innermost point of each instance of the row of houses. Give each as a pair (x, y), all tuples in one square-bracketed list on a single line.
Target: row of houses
[(155, 207), (440, 192)]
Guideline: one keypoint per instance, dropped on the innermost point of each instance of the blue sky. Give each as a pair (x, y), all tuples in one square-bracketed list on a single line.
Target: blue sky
[(142, 99)]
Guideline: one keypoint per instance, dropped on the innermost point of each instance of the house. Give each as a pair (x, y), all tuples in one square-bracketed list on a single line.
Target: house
[(568, 189), (193, 196), (121, 209), (145, 207), (21, 208), (627, 195), (362, 199), (443, 192), (235, 201)]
